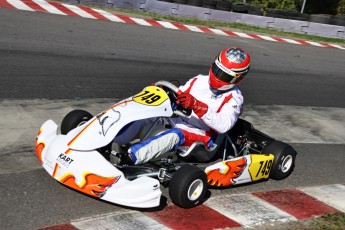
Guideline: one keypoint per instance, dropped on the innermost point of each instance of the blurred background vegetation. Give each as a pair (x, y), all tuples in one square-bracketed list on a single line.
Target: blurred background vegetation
[(333, 7)]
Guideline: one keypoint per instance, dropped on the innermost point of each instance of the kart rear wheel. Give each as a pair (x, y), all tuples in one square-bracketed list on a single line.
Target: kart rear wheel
[(188, 186), (284, 159), (74, 119)]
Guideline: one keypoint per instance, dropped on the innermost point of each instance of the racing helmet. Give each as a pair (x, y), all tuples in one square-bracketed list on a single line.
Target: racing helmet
[(229, 68)]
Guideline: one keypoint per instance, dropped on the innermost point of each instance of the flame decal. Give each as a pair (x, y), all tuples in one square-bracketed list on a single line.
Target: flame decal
[(94, 185), (39, 147), (224, 175)]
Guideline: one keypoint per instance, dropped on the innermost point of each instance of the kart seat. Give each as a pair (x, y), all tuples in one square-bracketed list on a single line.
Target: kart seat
[(198, 151)]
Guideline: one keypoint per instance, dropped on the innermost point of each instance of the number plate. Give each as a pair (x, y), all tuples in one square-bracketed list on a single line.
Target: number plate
[(260, 166), (151, 96)]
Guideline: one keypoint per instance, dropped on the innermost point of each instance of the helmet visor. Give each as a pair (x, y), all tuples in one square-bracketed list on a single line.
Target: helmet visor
[(225, 77)]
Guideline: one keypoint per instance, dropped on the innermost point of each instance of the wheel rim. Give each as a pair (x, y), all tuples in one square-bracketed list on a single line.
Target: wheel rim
[(81, 123), (195, 189), (287, 163)]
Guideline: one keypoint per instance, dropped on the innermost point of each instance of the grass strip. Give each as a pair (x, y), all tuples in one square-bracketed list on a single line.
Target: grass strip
[(229, 26), (219, 25)]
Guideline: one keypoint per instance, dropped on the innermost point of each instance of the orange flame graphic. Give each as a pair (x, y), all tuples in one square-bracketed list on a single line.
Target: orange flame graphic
[(233, 169), (39, 147), (94, 185)]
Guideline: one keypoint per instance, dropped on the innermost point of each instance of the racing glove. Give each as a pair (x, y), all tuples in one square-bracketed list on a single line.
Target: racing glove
[(189, 102)]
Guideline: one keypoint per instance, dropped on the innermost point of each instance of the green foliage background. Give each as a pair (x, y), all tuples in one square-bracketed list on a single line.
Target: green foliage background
[(341, 8), (275, 4), (334, 7)]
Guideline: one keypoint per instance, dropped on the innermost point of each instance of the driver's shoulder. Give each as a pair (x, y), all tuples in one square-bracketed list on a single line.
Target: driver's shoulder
[(195, 82), (236, 95), (202, 80), (202, 77), (235, 91)]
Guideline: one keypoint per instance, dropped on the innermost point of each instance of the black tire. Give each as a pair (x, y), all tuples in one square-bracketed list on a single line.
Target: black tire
[(180, 1), (224, 5), (275, 13), (255, 10), (208, 6), (320, 18), (284, 159), (194, 2), (188, 186), (210, 2), (240, 8), (74, 119), (300, 17), (338, 20)]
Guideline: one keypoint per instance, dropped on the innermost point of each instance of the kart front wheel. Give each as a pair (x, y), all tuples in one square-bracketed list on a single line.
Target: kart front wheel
[(188, 186), (284, 159), (74, 119)]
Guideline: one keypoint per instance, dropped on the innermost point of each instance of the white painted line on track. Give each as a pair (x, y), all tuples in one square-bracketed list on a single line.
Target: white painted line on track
[(247, 209), (244, 210), (267, 38), (109, 16), (51, 9), (194, 28), (79, 11), (333, 195), (126, 220), (168, 25), (291, 41), (142, 22), (243, 35), (19, 5), (338, 46), (314, 43), (219, 32)]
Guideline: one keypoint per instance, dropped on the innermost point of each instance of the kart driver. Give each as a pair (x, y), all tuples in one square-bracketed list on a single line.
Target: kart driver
[(216, 102)]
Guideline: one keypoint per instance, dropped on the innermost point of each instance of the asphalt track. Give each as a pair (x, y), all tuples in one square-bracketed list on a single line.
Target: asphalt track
[(50, 64)]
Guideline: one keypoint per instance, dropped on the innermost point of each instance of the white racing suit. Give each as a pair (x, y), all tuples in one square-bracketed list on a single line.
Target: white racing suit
[(223, 111)]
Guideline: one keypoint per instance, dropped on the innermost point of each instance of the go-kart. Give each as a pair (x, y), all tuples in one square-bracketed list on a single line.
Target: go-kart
[(81, 156)]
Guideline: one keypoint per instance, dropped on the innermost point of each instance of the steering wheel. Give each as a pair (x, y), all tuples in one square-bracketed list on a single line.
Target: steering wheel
[(173, 91)]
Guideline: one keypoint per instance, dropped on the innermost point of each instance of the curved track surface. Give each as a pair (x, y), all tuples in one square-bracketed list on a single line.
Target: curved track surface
[(50, 64)]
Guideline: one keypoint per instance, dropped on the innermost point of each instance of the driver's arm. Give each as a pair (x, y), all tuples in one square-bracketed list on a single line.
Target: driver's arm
[(219, 121), (226, 118)]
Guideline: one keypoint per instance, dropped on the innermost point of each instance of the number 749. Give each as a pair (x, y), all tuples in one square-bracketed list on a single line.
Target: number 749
[(265, 168)]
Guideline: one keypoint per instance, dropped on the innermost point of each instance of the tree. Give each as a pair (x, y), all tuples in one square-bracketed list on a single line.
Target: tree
[(312, 6), (321, 6), (275, 4), (341, 8)]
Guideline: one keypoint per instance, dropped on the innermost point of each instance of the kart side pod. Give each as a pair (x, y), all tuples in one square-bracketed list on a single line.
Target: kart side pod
[(245, 169)]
